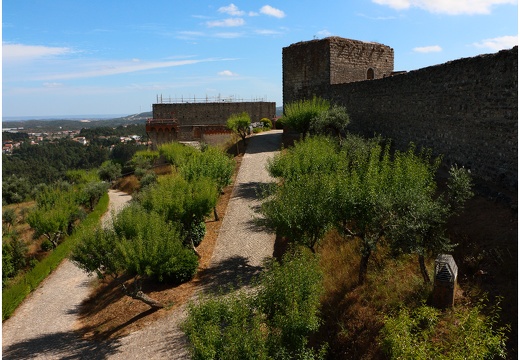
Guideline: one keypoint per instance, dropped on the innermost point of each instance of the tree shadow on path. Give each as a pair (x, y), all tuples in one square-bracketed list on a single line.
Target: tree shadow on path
[(61, 345), (228, 275)]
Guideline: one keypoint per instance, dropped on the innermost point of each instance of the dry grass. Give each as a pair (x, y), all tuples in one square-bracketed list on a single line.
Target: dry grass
[(109, 314)]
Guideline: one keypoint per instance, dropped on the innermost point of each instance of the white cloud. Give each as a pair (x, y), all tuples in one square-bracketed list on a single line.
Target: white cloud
[(271, 11), (231, 22), (324, 33), (227, 35), (52, 85), (232, 10), (498, 43), (427, 49), (107, 68), (450, 7), (227, 73), (267, 32), (21, 52)]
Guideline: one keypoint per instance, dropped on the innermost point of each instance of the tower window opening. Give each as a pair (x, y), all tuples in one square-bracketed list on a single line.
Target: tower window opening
[(370, 74)]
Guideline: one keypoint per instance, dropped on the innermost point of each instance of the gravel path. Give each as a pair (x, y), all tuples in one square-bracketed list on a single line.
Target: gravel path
[(43, 325), (238, 255)]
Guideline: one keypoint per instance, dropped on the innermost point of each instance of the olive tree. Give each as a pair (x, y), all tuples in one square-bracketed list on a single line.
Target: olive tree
[(239, 124), (368, 193), (139, 244), (53, 214)]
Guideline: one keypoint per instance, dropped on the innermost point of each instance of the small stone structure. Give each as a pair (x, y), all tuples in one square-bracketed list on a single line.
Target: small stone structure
[(203, 121), (445, 281)]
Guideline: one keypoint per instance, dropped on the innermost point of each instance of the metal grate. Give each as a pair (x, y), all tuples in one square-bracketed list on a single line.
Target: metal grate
[(445, 268)]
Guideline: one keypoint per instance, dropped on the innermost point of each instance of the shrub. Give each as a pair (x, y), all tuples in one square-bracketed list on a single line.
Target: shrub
[(109, 171), (273, 323), (148, 179), (289, 297), (425, 333), (266, 123), (140, 243), (196, 233)]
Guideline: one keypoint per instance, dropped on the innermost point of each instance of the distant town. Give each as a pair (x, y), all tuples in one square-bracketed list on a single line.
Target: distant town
[(128, 129)]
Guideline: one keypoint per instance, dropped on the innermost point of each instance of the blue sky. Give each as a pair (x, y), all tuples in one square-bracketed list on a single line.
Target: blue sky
[(70, 57)]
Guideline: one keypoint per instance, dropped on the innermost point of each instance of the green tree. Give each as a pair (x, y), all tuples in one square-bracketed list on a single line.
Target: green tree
[(109, 171), (92, 192), (301, 209), (15, 189), (366, 192), (300, 114), (139, 244), (211, 163), (180, 201), (9, 218), (239, 124), (53, 215), (333, 121)]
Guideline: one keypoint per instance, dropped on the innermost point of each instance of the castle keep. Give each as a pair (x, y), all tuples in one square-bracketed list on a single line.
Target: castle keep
[(311, 67), (201, 120), (465, 109)]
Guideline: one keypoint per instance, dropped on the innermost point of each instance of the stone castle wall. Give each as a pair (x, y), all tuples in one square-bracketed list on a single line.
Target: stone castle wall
[(212, 113), (466, 110), (201, 121)]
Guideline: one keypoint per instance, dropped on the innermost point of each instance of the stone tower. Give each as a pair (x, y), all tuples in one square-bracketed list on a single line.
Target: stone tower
[(310, 67)]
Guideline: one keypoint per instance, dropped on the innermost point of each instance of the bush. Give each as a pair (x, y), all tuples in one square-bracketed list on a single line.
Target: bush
[(148, 179), (109, 171), (196, 233), (425, 333), (140, 243), (273, 323), (266, 123)]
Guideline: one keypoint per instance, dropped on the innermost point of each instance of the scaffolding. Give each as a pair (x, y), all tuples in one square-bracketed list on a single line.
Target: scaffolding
[(160, 99)]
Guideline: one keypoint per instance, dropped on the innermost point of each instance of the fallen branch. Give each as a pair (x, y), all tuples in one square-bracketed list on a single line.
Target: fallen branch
[(138, 294)]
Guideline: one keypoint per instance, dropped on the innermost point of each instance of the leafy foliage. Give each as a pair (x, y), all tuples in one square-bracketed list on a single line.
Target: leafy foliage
[(239, 124), (178, 200), (211, 163), (301, 209), (109, 171), (14, 252), (300, 114), (58, 157), (274, 323), (365, 192), (470, 334), (315, 155), (140, 243), (54, 214), (332, 121), (15, 189)]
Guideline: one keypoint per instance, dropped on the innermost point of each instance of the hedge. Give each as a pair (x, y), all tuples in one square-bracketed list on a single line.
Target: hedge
[(15, 293)]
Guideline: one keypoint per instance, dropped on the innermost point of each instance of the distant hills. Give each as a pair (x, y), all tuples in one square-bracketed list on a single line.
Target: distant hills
[(77, 122), (42, 125)]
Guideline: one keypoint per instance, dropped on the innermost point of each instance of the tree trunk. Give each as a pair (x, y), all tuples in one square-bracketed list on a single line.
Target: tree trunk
[(138, 294), (215, 214), (363, 265), (424, 272), (147, 300)]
